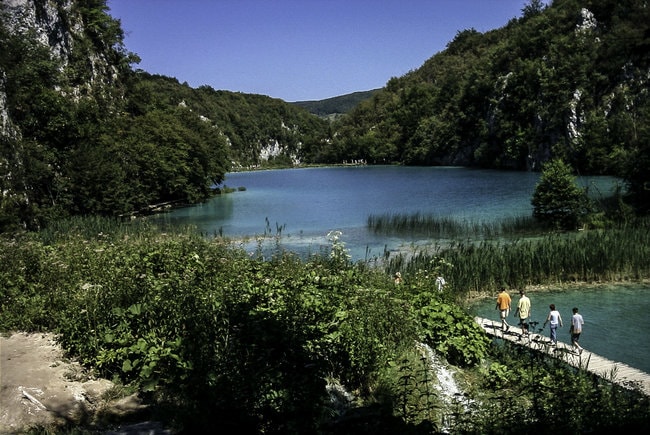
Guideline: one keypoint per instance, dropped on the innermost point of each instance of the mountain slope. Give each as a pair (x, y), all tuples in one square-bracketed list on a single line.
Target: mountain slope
[(565, 81), (82, 132), (330, 107)]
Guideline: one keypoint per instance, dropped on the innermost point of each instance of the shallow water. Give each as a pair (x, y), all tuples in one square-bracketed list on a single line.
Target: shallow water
[(616, 318)]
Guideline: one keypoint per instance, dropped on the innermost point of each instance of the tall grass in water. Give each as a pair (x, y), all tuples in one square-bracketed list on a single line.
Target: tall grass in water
[(616, 254), (417, 224)]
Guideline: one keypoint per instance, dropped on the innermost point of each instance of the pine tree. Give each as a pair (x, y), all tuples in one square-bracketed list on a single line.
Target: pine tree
[(557, 200)]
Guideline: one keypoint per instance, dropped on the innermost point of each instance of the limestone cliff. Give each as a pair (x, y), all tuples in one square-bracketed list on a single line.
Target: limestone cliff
[(83, 42)]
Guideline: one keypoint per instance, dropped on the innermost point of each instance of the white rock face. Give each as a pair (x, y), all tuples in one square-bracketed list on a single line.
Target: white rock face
[(45, 22), (272, 149), (55, 25), (576, 118), (6, 127)]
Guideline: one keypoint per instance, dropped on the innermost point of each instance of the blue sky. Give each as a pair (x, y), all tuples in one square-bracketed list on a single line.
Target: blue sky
[(297, 49)]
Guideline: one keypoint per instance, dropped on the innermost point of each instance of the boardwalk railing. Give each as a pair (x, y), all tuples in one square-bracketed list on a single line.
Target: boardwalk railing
[(614, 371)]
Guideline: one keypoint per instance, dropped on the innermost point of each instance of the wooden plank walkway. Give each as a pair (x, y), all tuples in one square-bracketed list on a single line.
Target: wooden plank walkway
[(614, 371)]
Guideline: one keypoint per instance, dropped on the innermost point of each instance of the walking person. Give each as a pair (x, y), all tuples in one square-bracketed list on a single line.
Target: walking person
[(523, 310), (503, 305), (576, 329), (555, 320)]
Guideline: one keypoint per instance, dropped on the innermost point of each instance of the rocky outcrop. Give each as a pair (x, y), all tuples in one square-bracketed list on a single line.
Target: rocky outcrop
[(6, 126), (47, 21), (61, 27)]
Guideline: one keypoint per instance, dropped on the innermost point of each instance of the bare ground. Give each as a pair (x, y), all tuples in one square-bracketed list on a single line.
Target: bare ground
[(39, 388)]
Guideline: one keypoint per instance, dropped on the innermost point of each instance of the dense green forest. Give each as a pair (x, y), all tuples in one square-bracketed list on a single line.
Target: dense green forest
[(566, 81), (85, 132), (211, 335)]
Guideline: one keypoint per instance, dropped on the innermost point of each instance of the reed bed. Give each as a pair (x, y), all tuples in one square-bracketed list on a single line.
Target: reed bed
[(616, 254), (428, 225)]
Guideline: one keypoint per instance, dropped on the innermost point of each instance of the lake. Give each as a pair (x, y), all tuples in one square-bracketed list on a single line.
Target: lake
[(301, 206), (308, 203)]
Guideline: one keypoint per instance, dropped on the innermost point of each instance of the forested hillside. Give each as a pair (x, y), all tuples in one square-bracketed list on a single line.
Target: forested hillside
[(332, 108), (567, 81), (258, 130), (82, 131)]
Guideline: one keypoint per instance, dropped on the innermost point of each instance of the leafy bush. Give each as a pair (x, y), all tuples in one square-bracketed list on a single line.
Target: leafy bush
[(451, 331), (200, 324), (530, 392), (215, 334)]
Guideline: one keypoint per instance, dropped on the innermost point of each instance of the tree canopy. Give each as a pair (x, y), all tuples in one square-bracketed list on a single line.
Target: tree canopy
[(83, 132), (563, 81), (87, 134)]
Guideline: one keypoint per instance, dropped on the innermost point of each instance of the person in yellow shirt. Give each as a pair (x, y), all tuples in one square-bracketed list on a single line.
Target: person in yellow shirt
[(523, 310), (503, 305)]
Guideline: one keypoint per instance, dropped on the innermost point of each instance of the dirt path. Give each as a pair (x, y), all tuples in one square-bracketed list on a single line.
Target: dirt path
[(38, 387)]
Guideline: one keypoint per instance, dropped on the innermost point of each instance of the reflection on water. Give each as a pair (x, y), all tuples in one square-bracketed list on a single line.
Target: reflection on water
[(616, 318)]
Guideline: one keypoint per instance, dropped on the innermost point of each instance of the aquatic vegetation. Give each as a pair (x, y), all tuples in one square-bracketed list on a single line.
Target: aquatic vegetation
[(616, 254), (417, 224), (202, 327)]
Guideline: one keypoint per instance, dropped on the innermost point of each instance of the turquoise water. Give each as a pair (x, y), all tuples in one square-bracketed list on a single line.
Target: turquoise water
[(616, 318), (308, 203)]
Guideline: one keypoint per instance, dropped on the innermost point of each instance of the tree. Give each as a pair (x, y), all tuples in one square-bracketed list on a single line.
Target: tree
[(534, 7), (557, 199)]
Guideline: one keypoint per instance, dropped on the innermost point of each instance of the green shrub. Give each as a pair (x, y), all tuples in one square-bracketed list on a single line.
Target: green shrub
[(450, 331), (215, 334), (557, 200)]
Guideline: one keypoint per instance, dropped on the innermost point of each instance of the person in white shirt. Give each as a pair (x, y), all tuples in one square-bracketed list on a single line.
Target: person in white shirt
[(576, 329), (555, 320), (440, 283)]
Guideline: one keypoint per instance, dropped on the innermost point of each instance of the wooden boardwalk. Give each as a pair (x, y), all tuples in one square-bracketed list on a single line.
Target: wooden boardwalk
[(614, 371)]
